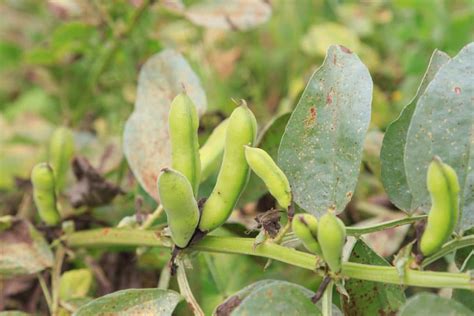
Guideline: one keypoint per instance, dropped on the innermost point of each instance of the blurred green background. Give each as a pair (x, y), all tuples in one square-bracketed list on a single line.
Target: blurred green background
[(76, 63)]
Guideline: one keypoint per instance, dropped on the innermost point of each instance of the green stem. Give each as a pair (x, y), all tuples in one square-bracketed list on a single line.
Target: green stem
[(55, 278), (245, 246), (165, 277), (327, 300), (357, 231), (154, 216), (186, 290), (448, 248), (46, 293)]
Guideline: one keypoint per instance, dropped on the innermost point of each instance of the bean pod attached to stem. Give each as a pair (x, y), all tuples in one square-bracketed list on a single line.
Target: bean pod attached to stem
[(266, 169), (177, 198), (44, 193), (234, 172), (331, 238), (443, 186), (305, 227), (183, 127), (61, 150)]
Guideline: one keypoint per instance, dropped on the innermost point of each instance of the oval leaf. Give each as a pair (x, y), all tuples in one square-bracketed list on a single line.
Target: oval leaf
[(370, 298), (146, 141), (393, 146), (442, 125), (230, 14), (430, 304), (270, 297), (24, 251), (321, 149), (132, 302)]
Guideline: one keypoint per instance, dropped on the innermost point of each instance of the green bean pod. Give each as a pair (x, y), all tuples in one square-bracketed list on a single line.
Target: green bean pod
[(177, 198), (44, 193), (331, 238), (212, 150), (305, 227), (234, 172), (183, 128), (443, 185), (266, 169), (61, 150)]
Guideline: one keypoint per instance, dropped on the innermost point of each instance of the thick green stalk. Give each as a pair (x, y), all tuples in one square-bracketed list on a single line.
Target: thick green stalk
[(448, 248), (235, 245)]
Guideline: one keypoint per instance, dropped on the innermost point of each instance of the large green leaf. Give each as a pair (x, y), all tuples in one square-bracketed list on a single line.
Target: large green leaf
[(393, 147), (370, 298), (145, 142), (270, 297), (132, 302), (430, 304), (23, 250), (466, 296), (442, 125), (321, 149), (269, 141)]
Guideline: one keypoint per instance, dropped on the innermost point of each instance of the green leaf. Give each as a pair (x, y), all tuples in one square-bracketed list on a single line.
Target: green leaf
[(24, 251), (132, 302), (270, 297), (430, 304), (75, 284), (145, 141), (321, 149), (370, 298), (466, 296), (269, 141), (393, 146), (442, 125)]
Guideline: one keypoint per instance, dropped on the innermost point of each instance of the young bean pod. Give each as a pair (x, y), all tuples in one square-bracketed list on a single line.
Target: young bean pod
[(177, 198), (443, 186), (305, 227), (211, 152), (234, 171), (331, 238), (44, 193), (61, 150), (183, 128), (266, 169)]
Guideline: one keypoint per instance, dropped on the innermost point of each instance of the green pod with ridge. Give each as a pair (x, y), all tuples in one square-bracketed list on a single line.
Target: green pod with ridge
[(331, 238), (183, 128), (177, 197), (61, 151), (212, 150), (266, 169), (443, 186), (234, 172), (305, 227), (44, 193)]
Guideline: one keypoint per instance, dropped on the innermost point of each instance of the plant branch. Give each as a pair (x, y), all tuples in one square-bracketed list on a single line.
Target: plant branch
[(55, 278), (448, 248), (327, 300), (151, 218), (357, 231), (245, 246), (186, 290), (46, 293)]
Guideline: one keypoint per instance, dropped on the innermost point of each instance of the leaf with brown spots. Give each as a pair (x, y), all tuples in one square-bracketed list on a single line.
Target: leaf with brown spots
[(321, 148), (443, 125), (370, 298), (23, 250)]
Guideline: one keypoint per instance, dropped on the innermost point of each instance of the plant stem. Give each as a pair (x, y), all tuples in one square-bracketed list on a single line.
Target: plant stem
[(357, 231), (55, 278), (46, 293), (165, 277), (327, 300), (245, 246), (150, 219), (186, 290), (448, 248)]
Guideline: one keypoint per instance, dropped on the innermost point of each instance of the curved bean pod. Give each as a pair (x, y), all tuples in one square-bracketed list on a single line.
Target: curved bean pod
[(44, 193), (331, 238), (305, 227), (211, 152)]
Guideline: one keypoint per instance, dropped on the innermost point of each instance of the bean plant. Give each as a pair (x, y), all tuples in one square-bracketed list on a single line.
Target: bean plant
[(310, 177)]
